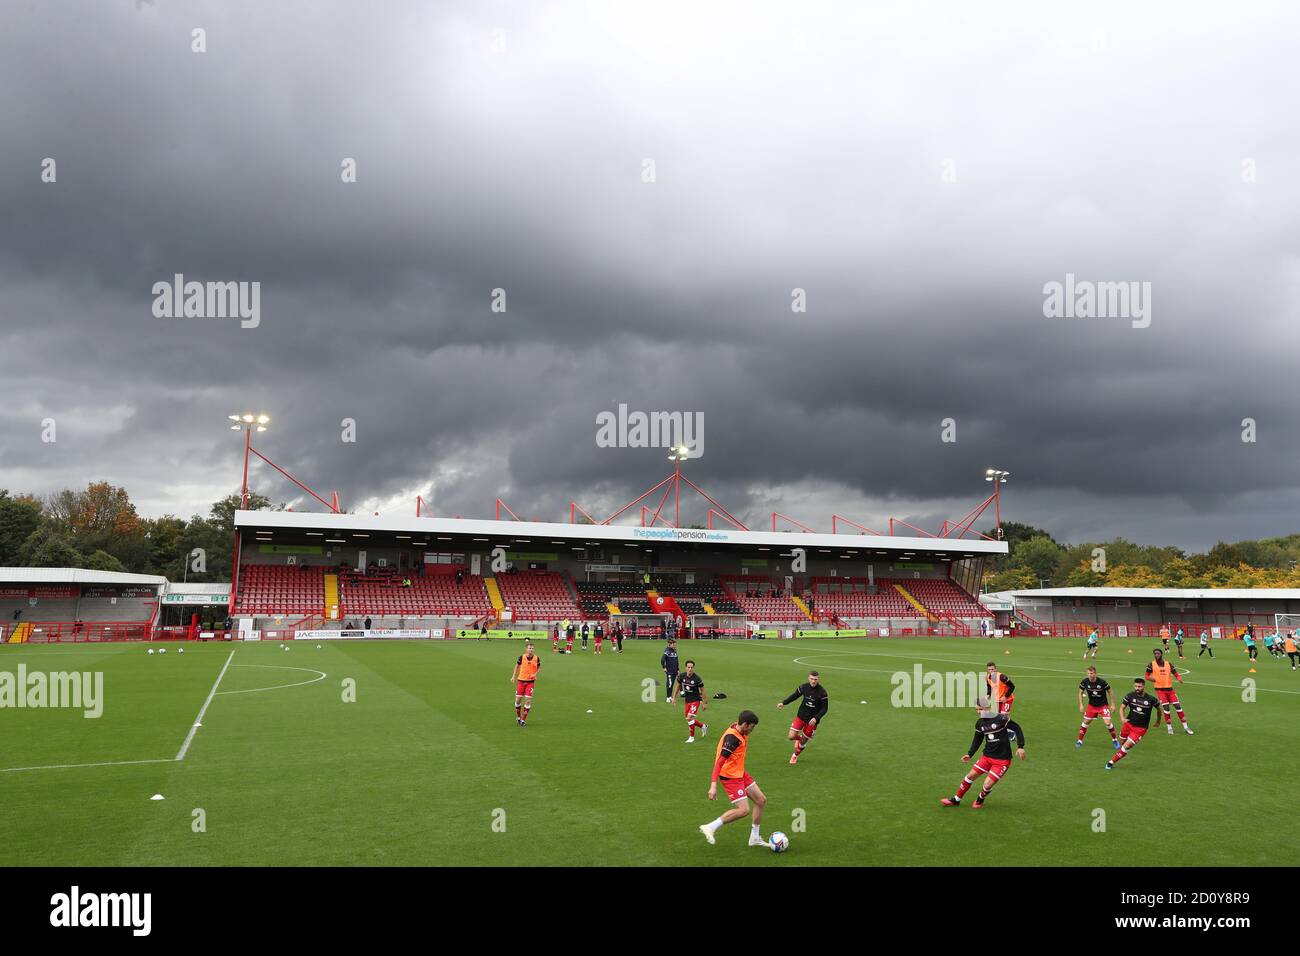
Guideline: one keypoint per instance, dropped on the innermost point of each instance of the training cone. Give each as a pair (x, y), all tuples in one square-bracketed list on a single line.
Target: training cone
[(1252, 670), (1130, 650), (1006, 652)]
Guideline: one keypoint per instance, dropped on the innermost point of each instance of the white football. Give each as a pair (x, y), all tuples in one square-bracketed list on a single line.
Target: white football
[(151, 652)]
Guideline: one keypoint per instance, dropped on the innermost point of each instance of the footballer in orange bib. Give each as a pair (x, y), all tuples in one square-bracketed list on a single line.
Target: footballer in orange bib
[(999, 688), (729, 770), (1163, 674), (524, 677)]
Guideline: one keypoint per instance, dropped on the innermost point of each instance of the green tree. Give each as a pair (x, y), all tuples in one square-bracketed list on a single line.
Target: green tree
[(1039, 554), (1011, 579), (1013, 533), (19, 517), (223, 511), (103, 561), (50, 546)]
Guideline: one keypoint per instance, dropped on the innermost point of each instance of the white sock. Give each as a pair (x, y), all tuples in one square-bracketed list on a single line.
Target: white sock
[(716, 825), (754, 829)]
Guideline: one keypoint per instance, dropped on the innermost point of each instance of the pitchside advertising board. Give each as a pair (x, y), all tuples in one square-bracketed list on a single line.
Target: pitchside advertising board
[(131, 591), (41, 591), (379, 633), (508, 635)]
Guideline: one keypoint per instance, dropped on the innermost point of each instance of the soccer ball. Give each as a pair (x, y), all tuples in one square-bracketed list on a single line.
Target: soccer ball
[(180, 650), (779, 841), (151, 652), (162, 650), (286, 649)]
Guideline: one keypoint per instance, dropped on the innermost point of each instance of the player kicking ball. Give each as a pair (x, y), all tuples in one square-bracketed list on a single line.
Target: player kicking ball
[(996, 731), (1100, 702), (524, 677), (729, 769), (1139, 706), (812, 708)]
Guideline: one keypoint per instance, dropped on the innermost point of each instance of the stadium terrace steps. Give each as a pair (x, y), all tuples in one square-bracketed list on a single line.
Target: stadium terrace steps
[(494, 594), (612, 608), (332, 609), (21, 632), (929, 616), (799, 603), (942, 596), (708, 608)]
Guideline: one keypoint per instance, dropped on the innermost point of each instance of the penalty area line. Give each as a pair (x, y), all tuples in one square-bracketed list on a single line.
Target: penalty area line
[(74, 766), (189, 738)]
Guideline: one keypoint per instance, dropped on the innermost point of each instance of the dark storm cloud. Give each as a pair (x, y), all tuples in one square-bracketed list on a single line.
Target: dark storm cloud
[(500, 146)]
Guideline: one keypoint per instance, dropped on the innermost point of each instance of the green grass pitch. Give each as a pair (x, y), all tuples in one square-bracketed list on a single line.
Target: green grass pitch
[(428, 758)]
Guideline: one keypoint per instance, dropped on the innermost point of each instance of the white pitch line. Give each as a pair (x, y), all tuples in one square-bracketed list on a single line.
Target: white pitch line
[(199, 719), (1023, 667), (73, 766), (282, 667)]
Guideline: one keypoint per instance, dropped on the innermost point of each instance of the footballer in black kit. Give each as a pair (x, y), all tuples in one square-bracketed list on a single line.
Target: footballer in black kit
[(690, 686), (1100, 703), (812, 708), (995, 731), (1140, 705)]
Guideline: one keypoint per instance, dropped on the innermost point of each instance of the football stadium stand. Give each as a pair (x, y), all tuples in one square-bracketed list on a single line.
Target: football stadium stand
[(390, 592), (280, 589), (53, 604), (538, 596)]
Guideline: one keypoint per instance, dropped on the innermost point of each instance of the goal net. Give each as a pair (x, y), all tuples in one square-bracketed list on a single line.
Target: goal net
[(641, 625), (1284, 624), (705, 626)]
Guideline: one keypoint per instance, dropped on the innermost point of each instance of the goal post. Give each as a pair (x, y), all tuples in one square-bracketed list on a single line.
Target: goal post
[(732, 626), (647, 625), (1284, 624)]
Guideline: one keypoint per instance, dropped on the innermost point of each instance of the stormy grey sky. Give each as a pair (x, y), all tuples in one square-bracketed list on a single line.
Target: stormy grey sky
[(921, 170)]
